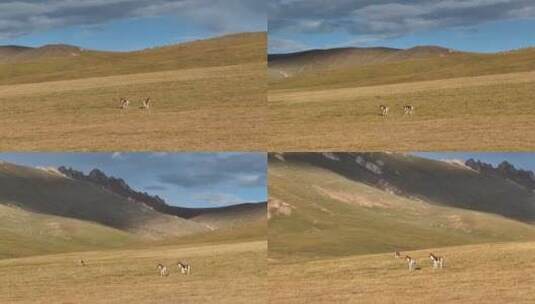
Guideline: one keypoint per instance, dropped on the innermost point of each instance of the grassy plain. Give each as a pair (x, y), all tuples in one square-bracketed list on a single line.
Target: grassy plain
[(222, 273), (486, 273), (207, 96), (463, 102), (334, 241)]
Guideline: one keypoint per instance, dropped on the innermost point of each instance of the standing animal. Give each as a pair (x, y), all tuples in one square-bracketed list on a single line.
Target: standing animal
[(397, 254), (82, 262), (384, 110), (124, 103), (184, 268), (146, 103), (438, 261), (408, 109), (163, 270), (411, 263)]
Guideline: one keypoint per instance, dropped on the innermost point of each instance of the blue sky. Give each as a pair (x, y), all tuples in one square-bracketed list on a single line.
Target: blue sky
[(184, 179), (468, 25), (520, 160), (124, 25)]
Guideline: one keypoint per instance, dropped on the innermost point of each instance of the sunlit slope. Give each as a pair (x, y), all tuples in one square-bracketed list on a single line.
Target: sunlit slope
[(24, 233), (55, 63), (47, 192), (317, 212), (438, 182)]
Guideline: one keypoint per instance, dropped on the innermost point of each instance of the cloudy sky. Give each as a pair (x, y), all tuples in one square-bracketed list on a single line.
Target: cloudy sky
[(184, 179), (470, 25), (520, 160), (125, 24)]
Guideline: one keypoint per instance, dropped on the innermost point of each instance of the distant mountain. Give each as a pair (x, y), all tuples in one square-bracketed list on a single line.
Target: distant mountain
[(356, 67), (315, 60), (9, 51), (24, 54), (60, 62)]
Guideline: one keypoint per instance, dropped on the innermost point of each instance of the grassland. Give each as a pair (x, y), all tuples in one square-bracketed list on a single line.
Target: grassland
[(207, 95), (488, 273), (224, 273), (335, 240), (24, 233), (463, 102)]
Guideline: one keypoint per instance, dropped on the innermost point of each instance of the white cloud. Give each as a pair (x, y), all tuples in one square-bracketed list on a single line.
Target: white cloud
[(117, 155)]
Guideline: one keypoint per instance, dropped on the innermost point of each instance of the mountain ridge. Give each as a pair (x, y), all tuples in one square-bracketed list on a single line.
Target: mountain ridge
[(201, 215)]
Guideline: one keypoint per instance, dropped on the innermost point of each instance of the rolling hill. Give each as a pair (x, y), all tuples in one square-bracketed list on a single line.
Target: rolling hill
[(49, 192), (341, 204), (344, 67), (19, 64), (47, 210), (207, 95), (294, 64), (26, 233)]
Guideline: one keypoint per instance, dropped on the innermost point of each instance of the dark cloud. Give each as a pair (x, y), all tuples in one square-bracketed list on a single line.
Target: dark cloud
[(24, 16), (382, 19), (243, 170), (155, 188)]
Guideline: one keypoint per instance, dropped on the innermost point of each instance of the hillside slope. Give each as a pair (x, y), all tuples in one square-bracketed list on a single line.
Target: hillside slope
[(330, 59), (339, 68), (24, 233), (61, 62), (213, 218), (50, 192), (442, 183), (325, 205)]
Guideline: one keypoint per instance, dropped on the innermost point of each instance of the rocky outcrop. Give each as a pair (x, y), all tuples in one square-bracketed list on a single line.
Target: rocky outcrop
[(118, 186), (277, 207), (505, 170)]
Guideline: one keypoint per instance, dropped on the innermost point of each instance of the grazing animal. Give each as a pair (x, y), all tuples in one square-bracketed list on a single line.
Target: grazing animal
[(384, 110), (82, 262), (124, 103), (438, 261), (146, 103), (411, 263), (408, 109), (163, 270), (397, 254), (184, 268)]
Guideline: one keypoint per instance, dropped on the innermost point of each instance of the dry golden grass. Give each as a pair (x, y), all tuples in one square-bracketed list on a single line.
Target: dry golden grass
[(489, 273), (214, 108), (470, 113), (228, 273)]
